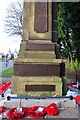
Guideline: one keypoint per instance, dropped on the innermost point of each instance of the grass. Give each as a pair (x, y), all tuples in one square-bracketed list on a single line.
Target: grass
[(7, 73), (71, 66)]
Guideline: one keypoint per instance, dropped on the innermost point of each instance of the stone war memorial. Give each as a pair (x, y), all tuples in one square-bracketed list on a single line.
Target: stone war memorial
[(39, 69)]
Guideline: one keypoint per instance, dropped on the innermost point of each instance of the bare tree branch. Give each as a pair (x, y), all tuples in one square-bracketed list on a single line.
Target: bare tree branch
[(14, 19)]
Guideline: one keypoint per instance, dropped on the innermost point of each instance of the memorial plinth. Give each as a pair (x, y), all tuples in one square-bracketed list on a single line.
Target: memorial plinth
[(39, 69)]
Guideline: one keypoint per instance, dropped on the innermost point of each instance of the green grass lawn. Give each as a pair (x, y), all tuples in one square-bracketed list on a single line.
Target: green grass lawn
[(7, 73)]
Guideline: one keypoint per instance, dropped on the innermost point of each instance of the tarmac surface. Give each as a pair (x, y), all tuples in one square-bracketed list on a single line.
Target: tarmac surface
[(3, 65)]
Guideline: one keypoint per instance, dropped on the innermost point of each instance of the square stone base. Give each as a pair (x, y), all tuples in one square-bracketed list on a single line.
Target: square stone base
[(19, 83)]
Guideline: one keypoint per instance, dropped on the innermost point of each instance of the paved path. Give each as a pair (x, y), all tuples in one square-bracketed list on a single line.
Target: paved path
[(3, 65), (5, 79)]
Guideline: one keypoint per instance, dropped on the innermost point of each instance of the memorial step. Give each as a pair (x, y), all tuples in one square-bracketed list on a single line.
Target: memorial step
[(40, 41), (37, 85), (38, 54), (44, 102), (40, 46), (37, 45), (37, 60), (33, 69)]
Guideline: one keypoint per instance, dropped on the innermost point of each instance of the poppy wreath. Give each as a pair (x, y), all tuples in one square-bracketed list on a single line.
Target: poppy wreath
[(4, 86), (33, 113), (14, 113), (77, 99), (2, 109), (52, 109), (72, 84)]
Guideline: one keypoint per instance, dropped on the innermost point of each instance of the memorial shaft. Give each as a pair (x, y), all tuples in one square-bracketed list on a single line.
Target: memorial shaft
[(39, 70)]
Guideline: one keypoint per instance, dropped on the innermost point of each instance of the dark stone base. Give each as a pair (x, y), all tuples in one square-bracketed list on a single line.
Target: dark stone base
[(32, 69)]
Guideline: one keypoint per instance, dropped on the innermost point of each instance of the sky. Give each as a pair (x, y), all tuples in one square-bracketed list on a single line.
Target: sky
[(7, 42)]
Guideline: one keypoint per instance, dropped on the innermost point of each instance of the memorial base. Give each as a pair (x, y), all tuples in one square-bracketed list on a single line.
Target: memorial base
[(36, 86), (39, 69)]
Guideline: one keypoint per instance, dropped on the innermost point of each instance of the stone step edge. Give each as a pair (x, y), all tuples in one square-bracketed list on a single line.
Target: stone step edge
[(44, 102), (48, 41), (26, 60), (36, 78)]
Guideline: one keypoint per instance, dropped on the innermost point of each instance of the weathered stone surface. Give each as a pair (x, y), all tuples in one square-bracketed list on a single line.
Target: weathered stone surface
[(68, 103), (37, 63), (64, 88), (30, 103), (40, 47), (45, 102), (26, 60), (40, 17), (43, 24), (54, 22), (38, 55), (36, 69), (36, 80)]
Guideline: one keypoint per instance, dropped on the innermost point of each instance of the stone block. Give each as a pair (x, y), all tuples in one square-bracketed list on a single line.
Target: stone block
[(37, 60), (38, 54), (30, 102), (64, 87), (41, 102), (68, 104), (12, 103), (33, 69), (21, 82), (40, 46)]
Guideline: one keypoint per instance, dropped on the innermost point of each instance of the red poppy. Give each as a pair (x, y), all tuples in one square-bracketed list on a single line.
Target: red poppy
[(2, 109), (15, 114), (34, 113), (4, 87), (77, 99), (52, 109)]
